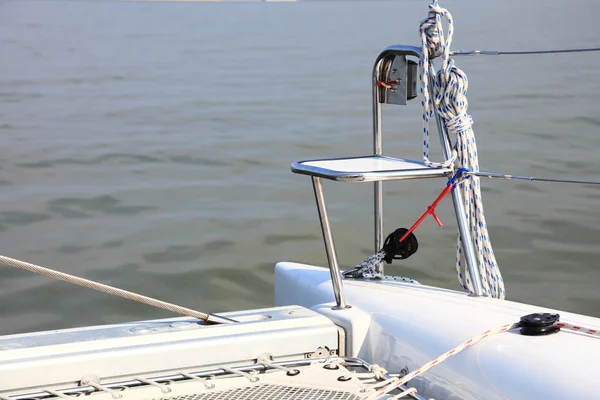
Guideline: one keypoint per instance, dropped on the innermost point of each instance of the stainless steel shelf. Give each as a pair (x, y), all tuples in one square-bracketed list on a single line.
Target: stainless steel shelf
[(372, 168)]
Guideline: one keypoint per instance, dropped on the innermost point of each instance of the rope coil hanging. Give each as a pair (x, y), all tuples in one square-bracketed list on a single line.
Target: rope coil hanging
[(449, 91)]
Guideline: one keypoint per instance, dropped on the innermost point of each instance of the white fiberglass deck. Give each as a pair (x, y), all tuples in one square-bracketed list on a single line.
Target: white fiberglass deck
[(159, 347), (403, 325), (278, 353), (368, 169)]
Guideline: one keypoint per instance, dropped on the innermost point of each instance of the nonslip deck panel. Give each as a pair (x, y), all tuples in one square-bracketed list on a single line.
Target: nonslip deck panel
[(270, 392), (331, 378)]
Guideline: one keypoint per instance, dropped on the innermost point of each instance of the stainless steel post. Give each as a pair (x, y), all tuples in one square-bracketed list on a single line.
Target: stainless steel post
[(386, 56), (377, 150), (334, 268), (459, 209)]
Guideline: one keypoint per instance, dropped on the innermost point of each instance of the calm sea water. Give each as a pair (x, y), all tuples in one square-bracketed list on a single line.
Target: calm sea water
[(147, 146)]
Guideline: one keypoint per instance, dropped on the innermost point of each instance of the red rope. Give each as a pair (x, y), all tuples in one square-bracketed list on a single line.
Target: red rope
[(430, 211)]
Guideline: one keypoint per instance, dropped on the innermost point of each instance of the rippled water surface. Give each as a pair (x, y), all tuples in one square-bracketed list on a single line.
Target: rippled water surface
[(147, 145)]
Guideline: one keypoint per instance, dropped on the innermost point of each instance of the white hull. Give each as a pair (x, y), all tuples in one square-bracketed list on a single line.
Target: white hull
[(330, 328), (401, 325), (394, 325), (59, 359)]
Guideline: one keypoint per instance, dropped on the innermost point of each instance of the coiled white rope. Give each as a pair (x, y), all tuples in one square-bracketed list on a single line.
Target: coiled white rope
[(450, 101)]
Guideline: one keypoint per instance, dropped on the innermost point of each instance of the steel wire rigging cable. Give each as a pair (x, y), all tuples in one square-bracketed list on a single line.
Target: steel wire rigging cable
[(112, 290)]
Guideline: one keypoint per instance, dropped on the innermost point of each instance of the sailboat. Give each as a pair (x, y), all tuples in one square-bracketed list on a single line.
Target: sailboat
[(333, 334)]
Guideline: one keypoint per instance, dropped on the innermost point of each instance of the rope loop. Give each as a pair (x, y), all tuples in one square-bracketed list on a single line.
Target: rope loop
[(251, 376), (266, 360), (207, 384), (459, 172), (431, 28), (378, 371), (163, 388)]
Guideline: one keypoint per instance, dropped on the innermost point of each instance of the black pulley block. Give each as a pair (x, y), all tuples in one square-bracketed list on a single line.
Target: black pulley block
[(397, 250), (539, 324)]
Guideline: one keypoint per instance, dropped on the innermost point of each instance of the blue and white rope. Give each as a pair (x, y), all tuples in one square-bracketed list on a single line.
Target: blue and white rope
[(369, 268), (450, 102), (432, 45)]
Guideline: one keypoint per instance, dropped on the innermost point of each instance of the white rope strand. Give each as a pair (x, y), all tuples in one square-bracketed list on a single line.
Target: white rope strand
[(449, 90), (163, 388), (426, 367), (110, 290), (577, 328), (57, 394), (207, 384), (407, 392), (465, 345), (251, 376)]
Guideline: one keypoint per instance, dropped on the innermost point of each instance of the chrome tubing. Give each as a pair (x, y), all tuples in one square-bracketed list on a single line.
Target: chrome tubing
[(377, 150), (391, 51), (459, 209), (334, 268)]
